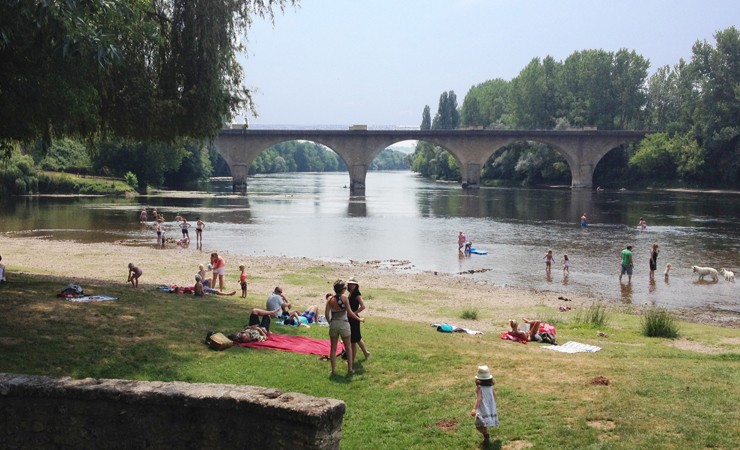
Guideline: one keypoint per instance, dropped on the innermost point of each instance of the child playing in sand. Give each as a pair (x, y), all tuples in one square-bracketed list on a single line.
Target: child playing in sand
[(484, 410), (566, 265), (133, 274), (548, 261), (204, 279), (243, 279)]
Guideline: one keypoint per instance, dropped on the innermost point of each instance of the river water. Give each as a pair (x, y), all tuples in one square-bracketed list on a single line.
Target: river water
[(405, 218)]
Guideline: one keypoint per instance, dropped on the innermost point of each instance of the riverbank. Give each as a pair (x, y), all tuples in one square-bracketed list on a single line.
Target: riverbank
[(437, 297)]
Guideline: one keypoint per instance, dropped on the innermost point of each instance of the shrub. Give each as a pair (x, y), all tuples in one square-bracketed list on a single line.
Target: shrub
[(131, 179), (596, 315), (658, 322), (471, 314)]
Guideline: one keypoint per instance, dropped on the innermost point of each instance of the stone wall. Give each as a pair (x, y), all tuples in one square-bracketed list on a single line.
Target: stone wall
[(43, 412)]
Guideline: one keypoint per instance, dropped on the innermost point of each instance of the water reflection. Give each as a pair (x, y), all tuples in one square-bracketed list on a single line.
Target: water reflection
[(625, 290)]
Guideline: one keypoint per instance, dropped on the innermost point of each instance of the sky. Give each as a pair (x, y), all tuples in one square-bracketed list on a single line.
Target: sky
[(379, 62)]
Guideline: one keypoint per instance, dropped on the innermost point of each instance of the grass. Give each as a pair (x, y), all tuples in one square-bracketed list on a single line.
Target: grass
[(596, 315), (469, 314), (417, 390), (658, 322), (64, 183)]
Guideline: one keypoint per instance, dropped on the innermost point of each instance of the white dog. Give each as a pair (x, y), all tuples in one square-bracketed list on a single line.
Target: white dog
[(704, 271), (729, 276)]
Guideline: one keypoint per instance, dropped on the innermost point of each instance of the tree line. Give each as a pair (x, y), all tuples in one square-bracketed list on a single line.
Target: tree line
[(693, 108), (140, 88)]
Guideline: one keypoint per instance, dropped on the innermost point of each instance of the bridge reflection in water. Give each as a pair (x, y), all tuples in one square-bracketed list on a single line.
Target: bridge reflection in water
[(582, 149)]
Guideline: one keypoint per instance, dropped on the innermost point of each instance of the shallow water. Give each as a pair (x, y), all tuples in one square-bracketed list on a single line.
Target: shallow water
[(403, 217)]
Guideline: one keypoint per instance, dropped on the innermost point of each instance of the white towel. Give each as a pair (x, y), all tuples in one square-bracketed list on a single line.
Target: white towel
[(573, 347)]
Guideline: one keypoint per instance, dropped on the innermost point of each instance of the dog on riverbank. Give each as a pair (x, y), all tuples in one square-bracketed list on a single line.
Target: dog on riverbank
[(729, 276), (706, 271)]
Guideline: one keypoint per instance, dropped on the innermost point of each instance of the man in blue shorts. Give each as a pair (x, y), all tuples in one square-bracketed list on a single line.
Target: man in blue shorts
[(627, 263)]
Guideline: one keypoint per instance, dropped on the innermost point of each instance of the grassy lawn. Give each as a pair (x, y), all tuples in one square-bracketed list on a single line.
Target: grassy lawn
[(417, 389)]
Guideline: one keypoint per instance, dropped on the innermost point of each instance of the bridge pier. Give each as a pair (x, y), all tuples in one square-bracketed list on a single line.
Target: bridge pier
[(239, 177), (357, 177), (582, 176)]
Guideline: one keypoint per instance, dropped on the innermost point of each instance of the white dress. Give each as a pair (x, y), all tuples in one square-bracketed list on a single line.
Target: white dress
[(487, 413)]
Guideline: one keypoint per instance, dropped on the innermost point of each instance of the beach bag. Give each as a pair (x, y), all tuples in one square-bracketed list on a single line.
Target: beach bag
[(72, 289), (217, 341)]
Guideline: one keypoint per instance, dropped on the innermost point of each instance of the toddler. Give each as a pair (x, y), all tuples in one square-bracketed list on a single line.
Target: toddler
[(566, 265), (133, 274), (243, 280), (484, 410)]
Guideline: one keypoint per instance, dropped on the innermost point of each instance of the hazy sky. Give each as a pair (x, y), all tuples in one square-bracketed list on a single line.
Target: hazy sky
[(379, 62)]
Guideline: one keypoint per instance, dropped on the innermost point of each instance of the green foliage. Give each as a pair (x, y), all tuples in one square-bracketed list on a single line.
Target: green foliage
[(130, 179), (145, 71), (595, 316), (469, 314), (150, 161), (659, 322), (62, 155), (63, 183), (660, 157), (18, 175)]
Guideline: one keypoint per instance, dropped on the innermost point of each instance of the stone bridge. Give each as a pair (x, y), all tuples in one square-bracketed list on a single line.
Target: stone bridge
[(582, 149)]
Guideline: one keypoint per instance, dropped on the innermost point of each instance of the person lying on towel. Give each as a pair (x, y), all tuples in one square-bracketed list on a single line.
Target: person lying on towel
[(250, 333)]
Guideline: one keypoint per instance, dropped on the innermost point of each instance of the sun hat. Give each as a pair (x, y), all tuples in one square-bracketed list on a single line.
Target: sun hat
[(353, 280), (483, 373)]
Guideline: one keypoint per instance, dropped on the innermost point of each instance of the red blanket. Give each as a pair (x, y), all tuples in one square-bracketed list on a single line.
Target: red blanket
[(297, 344)]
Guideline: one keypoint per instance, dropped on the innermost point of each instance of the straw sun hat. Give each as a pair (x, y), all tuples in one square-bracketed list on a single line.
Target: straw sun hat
[(483, 373), (353, 280)]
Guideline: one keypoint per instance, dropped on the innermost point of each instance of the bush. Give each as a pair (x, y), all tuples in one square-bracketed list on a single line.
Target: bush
[(658, 322), (131, 179), (471, 314), (18, 176), (595, 316)]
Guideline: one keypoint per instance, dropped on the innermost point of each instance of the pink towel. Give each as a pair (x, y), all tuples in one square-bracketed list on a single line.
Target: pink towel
[(297, 344), (505, 335)]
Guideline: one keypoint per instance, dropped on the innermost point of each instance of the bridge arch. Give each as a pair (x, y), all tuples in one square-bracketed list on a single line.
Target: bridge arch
[(471, 148)]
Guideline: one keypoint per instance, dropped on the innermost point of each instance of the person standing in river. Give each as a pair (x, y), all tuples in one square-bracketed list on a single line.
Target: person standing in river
[(627, 263), (653, 260)]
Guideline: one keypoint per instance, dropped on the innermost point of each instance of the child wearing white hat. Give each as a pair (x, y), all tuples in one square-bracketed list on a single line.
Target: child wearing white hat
[(484, 410)]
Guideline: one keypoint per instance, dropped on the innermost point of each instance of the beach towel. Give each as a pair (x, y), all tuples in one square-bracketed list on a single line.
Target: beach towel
[(506, 336), (447, 328), (297, 344), (91, 298), (573, 347)]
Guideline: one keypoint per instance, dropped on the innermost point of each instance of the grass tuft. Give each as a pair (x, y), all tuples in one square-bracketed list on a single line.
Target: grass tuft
[(595, 316), (658, 322), (469, 314)]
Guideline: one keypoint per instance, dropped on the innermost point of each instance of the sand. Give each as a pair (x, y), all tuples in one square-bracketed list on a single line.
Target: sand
[(440, 297)]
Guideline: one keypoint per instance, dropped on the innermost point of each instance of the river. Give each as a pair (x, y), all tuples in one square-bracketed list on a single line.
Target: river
[(409, 223)]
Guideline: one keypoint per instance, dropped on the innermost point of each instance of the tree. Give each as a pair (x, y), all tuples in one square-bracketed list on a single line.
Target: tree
[(155, 71), (717, 71)]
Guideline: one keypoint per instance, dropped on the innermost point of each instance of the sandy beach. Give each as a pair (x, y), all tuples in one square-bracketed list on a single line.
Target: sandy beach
[(443, 296)]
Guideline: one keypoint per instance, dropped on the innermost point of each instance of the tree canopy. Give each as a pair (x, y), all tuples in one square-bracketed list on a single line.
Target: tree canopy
[(157, 70)]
